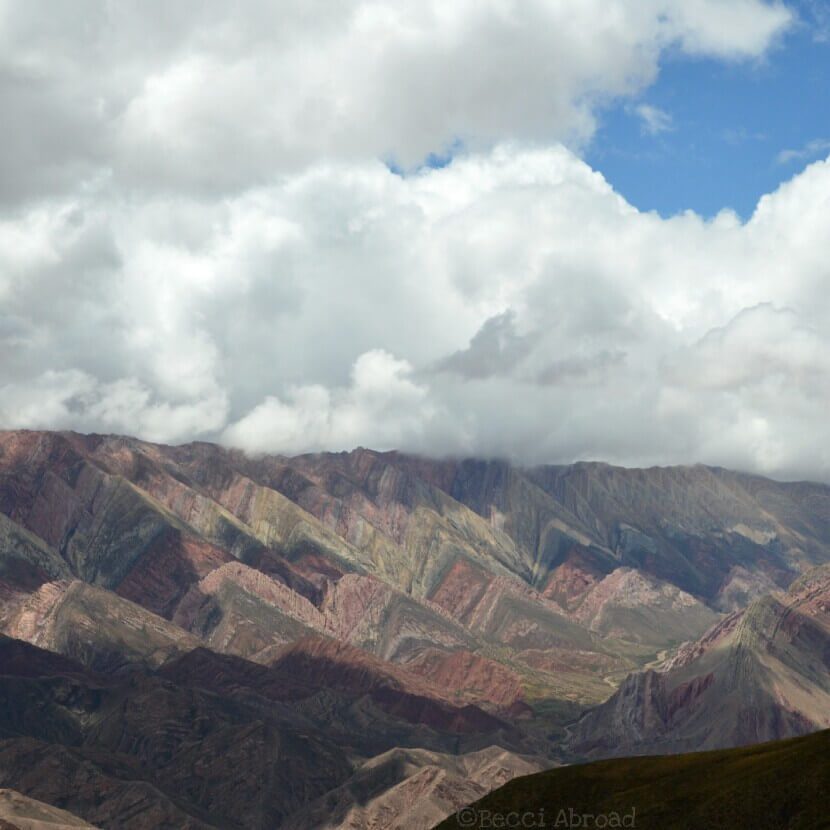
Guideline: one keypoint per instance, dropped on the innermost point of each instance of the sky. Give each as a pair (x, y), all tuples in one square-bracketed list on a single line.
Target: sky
[(711, 134), (542, 230)]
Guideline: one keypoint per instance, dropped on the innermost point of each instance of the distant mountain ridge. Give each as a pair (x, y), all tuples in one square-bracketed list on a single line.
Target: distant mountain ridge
[(443, 608)]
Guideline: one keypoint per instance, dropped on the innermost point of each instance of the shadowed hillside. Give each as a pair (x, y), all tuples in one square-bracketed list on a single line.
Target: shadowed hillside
[(783, 785)]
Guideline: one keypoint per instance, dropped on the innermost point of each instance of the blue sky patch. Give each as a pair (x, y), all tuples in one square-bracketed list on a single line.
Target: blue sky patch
[(710, 135)]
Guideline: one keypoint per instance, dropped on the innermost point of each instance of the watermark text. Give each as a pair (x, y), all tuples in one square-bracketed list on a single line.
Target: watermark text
[(566, 818)]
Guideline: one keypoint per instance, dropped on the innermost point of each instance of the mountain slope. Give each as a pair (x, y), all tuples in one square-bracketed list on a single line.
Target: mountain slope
[(411, 789), (406, 615), (762, 673), (20, 813), (206, 540), (215, 741)]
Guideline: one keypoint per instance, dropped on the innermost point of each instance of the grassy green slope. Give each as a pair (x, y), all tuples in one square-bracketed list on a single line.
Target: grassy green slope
[(782, 785)]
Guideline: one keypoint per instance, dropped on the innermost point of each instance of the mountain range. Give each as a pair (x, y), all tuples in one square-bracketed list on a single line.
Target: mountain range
[(195, 637)]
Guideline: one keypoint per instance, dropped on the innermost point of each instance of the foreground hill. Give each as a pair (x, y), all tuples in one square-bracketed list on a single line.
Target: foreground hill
[(783, 785)]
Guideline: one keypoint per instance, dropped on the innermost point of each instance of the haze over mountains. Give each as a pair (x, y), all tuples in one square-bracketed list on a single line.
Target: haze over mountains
[(199, 638)]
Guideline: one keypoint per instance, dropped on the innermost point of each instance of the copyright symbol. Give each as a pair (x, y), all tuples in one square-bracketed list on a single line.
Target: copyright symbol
[(466, 817)]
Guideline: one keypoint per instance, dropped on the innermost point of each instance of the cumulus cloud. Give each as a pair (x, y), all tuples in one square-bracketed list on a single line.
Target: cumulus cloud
[(381, 403), (495, 349), (758, 346), (585, 368), (758, 386), (73, 398), (510, 303), (212, 98), (218, 249)]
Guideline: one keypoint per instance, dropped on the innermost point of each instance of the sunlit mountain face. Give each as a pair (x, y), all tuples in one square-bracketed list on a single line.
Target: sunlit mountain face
[(400, 398)]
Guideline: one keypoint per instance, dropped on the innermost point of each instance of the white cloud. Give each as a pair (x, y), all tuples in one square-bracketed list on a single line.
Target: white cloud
[(810, 150), (215, 98), (382, 406), (511, 303), (733, 29), (758, 387), (73, 398), (654, 119), (199, 238)]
